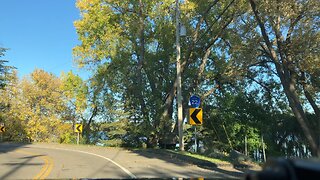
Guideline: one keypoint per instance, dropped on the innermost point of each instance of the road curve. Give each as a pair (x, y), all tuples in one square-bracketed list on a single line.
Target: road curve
[(56, 161), (40, 162)]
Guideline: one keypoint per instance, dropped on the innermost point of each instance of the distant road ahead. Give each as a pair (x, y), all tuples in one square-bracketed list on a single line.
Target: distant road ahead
[(55, 161)]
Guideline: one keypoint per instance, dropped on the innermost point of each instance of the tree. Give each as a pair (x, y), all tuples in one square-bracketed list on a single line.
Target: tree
[(3, 69), (11, 112), (40, 106), (275, 19), (273, 43), (237, 53), (75, 92), (7, 79), (37, 108), (136, 62)]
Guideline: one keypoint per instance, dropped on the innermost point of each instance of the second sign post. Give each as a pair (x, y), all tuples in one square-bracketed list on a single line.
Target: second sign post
[(78, 130), (195, 116)]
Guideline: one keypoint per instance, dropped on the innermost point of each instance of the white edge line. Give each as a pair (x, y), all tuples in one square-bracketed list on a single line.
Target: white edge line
[(121, 167)]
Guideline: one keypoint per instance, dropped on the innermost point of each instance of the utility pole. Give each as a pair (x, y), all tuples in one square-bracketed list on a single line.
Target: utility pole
[(263, 149), (179, 94), (245, 145)]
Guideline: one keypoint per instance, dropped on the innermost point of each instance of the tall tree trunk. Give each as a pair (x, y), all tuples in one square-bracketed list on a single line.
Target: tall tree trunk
[(312, 103), (288, 80), (141, 59), (297, 109), (86, 128), (309, 96)]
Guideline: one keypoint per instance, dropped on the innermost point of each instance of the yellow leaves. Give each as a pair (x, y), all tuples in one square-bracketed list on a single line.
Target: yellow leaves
[(310, 63), (99, 31), (37, 105), (188, 6), (34, 105), (286, 9), (81, 4), (85, 4), (99, 36), (43, 129), (161, 9)]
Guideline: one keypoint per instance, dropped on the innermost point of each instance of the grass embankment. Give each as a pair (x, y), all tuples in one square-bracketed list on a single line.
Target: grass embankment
[(204, 161), (219, 162), (223, 161)]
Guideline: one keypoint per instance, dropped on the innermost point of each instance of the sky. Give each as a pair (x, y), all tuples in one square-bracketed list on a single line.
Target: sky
[(39, 34)]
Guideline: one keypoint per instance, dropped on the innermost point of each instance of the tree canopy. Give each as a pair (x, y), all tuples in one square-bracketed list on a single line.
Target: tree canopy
[(255, 65)]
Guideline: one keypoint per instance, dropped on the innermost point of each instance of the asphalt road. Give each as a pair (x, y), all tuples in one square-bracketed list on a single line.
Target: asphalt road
[(55, 161)]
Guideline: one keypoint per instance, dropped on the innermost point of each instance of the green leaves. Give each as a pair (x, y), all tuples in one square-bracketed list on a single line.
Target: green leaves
[(75, 90), (98, 32), (5, 70), (226, 58)]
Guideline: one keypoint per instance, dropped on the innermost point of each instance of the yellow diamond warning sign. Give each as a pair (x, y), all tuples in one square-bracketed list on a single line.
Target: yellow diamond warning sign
[(195, 116), (2, 129), (78, 128)]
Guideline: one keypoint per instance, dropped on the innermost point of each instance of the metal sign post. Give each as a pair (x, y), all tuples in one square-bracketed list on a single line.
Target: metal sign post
[(195, 139), (78, 130), (78, 138)]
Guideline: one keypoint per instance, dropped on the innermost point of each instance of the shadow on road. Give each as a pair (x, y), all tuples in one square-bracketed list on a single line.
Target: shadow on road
[(7, 146), (183, 160), (15, 166)]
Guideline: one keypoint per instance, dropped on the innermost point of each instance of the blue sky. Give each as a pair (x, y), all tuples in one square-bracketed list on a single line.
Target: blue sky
[(39, 34)]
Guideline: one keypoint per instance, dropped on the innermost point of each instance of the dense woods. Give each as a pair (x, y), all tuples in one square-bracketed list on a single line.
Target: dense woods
[(255, 65)]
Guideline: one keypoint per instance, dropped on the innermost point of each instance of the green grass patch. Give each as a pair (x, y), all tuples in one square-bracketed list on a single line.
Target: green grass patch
[(224, 161)]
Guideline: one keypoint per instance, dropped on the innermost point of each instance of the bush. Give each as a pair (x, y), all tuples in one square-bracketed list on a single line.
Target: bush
[(238, 157), (217, 147), (112, 142), (68, 138)]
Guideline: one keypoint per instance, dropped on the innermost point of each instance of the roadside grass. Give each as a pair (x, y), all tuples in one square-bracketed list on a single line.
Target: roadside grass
[(225, 161)]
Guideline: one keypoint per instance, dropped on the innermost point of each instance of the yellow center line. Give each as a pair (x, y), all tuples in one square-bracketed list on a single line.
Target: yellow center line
[(43, 169), (46, 168), (49, 168)]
